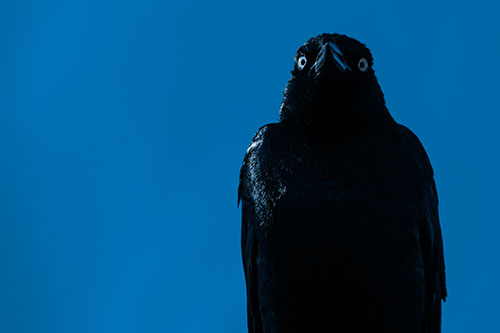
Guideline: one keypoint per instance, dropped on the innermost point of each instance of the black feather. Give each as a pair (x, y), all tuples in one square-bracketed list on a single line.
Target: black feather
[(340, 226)]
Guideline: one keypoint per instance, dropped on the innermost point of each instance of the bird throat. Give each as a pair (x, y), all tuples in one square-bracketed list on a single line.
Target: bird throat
[(329, 119)]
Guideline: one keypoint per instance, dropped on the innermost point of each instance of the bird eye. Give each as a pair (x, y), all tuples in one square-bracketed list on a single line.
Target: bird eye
[(363, 65), (301, 62)]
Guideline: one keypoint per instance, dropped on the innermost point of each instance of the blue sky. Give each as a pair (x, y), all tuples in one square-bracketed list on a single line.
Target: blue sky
[(123, 126)]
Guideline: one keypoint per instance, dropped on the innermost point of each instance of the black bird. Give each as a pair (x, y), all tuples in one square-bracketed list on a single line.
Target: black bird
[(340, 226)]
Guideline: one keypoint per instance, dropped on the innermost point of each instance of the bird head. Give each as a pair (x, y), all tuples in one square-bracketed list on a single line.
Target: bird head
[(333, 83)]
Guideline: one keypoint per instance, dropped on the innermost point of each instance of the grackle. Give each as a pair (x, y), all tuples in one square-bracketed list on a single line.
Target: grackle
[(340, 225)]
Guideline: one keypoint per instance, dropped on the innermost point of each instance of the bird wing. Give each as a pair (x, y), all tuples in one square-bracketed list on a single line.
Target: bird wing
[(430, 237), (250, 250), (255, 198)]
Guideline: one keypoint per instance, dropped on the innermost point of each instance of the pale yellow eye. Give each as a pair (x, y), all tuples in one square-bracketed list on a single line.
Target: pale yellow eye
[(301, 62), (363, 65)]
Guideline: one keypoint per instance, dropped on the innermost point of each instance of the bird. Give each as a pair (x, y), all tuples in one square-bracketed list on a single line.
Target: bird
[(340, 227)]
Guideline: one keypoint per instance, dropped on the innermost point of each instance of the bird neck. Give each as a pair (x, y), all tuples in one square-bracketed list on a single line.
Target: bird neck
[(338, 120)]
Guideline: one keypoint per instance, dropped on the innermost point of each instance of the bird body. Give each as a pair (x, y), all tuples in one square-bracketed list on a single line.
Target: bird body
[(340, 229)]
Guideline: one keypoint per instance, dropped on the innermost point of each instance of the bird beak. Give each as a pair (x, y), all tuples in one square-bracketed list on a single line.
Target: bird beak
[(330, 55)]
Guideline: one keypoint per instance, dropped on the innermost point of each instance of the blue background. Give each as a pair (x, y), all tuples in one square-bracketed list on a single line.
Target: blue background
[(123, 126)]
